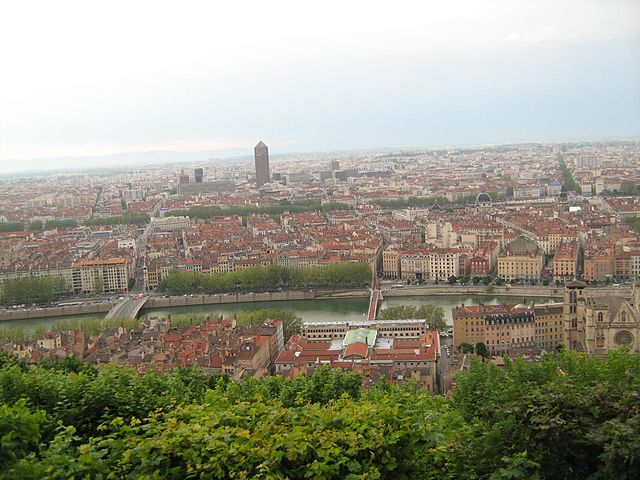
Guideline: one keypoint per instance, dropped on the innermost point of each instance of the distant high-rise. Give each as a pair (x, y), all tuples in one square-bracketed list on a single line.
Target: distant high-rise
[(184, 178), (335, 165), (199, 174), (261, 152)]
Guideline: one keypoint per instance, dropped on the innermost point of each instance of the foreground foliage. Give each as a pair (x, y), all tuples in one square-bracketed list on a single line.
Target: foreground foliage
[(569, 416)]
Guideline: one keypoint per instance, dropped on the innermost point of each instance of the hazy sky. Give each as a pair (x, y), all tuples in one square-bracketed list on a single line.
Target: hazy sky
[(88, 77)]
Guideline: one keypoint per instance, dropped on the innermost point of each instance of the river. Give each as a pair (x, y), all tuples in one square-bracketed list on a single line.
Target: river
[(317, 310)]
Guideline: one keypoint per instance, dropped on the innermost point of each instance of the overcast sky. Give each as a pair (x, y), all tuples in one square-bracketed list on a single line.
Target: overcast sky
[(89, 78)]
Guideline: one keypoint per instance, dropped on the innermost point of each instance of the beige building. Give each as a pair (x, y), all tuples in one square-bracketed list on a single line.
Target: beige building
[(548, 326), (598, 265), (521, 259), (565, 261), (391, 262), (414, 264), (502, 328), (62, 277), (435, 264), (596, 320), (91, 276)]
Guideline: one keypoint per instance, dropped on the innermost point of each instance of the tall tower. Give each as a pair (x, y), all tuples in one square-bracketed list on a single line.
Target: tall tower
[(198, 174), (261, 152), (572, 322)]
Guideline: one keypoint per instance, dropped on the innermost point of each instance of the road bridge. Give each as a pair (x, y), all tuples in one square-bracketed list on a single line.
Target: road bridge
[(128, 307), (374, 299)]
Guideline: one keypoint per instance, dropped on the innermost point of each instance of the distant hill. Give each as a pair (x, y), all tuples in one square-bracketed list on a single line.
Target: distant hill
[(120, 160)]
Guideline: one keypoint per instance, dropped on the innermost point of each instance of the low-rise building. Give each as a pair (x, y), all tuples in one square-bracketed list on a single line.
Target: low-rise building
[(396, 351)]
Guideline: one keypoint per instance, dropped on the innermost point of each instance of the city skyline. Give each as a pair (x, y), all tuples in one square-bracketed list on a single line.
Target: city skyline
[(363, 76)]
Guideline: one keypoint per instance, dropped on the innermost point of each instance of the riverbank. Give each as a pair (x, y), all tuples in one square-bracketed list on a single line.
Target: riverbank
[(332, 309), (157, 302), (66, 311)]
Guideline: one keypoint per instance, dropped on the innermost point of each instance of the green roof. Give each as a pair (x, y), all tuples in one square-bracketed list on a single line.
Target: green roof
[(361, 335)]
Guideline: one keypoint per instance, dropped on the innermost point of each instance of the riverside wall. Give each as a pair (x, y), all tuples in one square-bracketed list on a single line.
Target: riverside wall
[(158, 301), (182, 301), (84, 309)]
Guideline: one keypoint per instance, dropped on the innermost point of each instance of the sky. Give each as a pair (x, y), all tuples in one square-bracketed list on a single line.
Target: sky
[(82, 78)]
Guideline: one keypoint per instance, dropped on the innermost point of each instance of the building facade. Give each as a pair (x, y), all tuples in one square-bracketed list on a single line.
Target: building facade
[(521, 260), (565, 261)]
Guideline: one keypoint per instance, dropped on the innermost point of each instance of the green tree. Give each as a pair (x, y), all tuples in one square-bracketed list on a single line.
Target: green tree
[(99, 285), (433, 314), (12, 227), (28, 290), (465, 348), (481, 349), (19, 431), (36, 226), (268, 278), (628, 187)]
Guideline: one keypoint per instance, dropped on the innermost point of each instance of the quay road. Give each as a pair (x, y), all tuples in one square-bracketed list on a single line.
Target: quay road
[(445, 366)]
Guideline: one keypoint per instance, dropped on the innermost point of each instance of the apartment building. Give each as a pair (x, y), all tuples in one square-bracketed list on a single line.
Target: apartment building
[(97, 276), (391, 267), (565, 261), (548, 326), (484, 260), (502, 328)]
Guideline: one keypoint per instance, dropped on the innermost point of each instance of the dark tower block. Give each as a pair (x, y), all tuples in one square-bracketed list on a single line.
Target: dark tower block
[(261, 152)]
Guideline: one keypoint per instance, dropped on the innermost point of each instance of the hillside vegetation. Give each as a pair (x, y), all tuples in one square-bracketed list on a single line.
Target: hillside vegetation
[(569, 416)]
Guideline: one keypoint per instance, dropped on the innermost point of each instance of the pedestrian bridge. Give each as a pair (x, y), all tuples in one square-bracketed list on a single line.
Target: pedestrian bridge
[(128, 307)]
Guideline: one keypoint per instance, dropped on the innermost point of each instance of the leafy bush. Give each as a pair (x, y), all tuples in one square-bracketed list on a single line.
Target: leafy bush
[(568, 416)]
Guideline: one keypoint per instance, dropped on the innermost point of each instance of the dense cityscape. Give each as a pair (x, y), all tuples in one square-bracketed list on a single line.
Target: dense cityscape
[(361, 240), (393, 221)]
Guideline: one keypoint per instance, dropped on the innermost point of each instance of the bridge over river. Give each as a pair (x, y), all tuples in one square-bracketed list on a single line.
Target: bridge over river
[(128, 307)]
